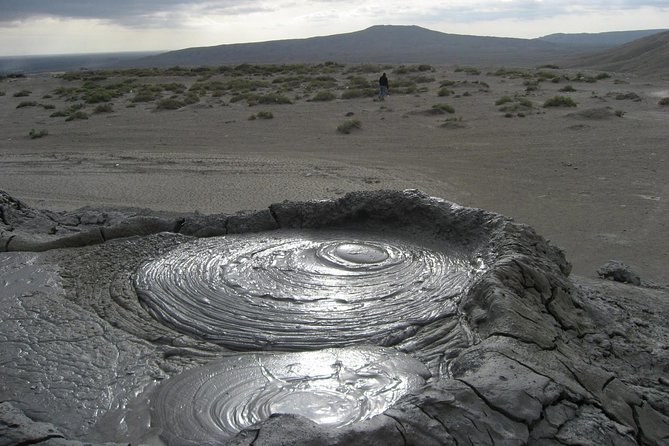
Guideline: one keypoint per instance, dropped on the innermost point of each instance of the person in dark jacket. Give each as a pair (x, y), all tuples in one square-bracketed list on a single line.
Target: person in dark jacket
[(383, 87)]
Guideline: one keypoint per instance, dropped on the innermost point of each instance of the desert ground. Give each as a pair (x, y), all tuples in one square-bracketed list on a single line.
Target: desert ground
[(593, 178), (341, 313)]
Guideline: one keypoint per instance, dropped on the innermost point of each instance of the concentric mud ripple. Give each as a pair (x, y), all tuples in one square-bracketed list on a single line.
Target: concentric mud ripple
[(334, 387), (302, 291)]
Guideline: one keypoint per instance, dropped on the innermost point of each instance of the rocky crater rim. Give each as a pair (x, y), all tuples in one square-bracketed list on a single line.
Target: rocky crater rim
[(522, 355)]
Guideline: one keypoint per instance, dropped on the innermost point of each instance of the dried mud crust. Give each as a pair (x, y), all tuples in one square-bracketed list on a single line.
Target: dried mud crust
[(537, 358)]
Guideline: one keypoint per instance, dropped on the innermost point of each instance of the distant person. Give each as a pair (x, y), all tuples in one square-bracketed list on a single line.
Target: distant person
[(383, 87)]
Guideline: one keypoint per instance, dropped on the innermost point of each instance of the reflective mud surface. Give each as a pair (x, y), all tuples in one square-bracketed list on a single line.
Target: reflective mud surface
[(334, 387), (302, 291)]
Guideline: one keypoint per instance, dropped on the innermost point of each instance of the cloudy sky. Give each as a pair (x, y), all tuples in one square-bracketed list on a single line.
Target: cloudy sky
[(76, 26)]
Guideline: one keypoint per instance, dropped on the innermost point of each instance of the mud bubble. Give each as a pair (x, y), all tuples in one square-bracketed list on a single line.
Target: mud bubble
[(303, 290)]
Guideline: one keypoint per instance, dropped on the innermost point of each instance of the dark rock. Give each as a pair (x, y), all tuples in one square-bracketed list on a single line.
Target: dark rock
[(40, 242), (140, 225), (254, 221), (619, 272), (654, 425), (205, 225), (16, 428)]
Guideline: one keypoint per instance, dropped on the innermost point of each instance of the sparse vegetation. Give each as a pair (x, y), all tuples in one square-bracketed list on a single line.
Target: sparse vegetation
[(503, 100), (324, 96), (525, 102), (27, 104), (169, 104), (265, 115), (67, 112), (104, 108), (348, 126), (468, 70), (560, 101), (78, 115), (580, 77), (514, 104), (2, 92), (512, 73), (445, 91), (531, 85), (663, 101), (421, 79), (203, 73), (404, 85), (35, 134), (404, 69), (22, 93), (443, 108), (47, 106), (567, 89), (273, 98), (318, 82), (549, 75), (147, 93)]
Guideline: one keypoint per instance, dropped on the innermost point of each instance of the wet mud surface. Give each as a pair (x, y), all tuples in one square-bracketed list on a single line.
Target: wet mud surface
[(302, 290), (330, 387), (378, 318)]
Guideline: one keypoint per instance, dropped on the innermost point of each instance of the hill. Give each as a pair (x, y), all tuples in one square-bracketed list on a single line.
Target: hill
[(600, 41), (378, 44), (645, 56)]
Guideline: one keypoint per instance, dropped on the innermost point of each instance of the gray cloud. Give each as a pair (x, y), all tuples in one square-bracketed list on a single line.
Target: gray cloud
[(125, 12), (524, 10), (150, 13)]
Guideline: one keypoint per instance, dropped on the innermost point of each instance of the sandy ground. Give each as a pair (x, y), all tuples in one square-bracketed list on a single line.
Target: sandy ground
[(598, 188)]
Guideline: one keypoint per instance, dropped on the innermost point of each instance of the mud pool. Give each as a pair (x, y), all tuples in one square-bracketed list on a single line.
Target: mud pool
[(378, 318), (303, 290), (335, 387)]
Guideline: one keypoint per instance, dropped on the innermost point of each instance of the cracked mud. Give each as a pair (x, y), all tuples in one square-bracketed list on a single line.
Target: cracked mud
[(125, 325)]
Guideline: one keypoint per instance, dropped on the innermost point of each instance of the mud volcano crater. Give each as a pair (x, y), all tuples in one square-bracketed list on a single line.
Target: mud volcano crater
[(378, 318), (304, 290)]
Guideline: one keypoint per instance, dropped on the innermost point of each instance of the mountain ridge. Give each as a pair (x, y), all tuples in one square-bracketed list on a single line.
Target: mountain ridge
[(377, 44)]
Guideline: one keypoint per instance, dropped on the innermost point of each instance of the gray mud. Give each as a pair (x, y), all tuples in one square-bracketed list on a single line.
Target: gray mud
[(486, 339), (303, 290), (333, 387)]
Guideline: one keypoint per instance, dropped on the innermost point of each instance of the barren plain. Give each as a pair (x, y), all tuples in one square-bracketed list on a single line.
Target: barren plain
[(593, 178)]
